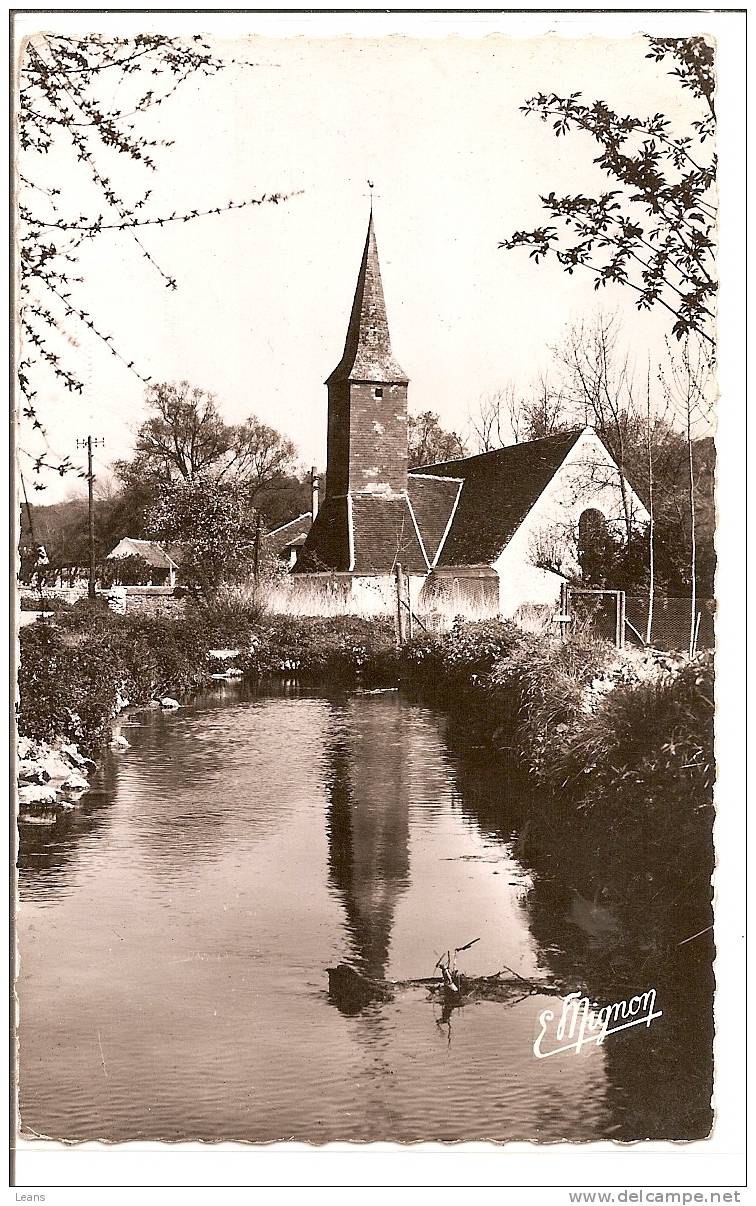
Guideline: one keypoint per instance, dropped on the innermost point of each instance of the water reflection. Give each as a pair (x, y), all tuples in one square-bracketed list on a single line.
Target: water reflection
[(49, 854), (618, 930), (175, 931), (368, 824)]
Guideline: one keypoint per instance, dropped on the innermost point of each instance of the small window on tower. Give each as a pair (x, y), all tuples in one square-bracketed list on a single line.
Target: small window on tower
[(379, 391)]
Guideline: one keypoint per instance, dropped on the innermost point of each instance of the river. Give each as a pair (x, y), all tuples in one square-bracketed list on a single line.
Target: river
[(175, 930)]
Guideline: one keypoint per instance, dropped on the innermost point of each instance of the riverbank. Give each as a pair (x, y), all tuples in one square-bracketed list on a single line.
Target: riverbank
[(594, 768), (614, 741)]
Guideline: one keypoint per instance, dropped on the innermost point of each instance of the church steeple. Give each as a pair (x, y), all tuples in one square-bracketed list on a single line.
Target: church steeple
[(367, 351), (366, 524), (367, 396)]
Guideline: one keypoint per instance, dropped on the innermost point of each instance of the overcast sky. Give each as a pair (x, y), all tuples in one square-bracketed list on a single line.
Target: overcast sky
[(264, 294)]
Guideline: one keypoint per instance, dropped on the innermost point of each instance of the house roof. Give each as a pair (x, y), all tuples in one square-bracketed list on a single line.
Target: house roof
[(292, 533), (367, 351), (500, 488), (148, 550)]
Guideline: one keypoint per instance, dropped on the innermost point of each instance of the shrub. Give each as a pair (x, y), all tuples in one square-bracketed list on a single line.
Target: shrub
[(49, 603), (72, 672), (333, 648), (232, 614)]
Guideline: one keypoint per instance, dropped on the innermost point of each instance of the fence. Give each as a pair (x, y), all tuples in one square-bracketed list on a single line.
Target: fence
[(670, 625), (622, 619)]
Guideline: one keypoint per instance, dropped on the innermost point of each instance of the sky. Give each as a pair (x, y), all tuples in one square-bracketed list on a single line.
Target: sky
[(264, 293)]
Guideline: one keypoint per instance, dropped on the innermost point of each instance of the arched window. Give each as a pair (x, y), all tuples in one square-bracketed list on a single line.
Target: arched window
[(591, 526), (595, 547)]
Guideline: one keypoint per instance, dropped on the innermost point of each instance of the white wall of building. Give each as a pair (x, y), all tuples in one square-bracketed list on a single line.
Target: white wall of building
[(587, 480)]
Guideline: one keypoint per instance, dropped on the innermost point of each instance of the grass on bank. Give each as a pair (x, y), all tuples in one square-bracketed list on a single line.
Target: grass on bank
[(600, 734)]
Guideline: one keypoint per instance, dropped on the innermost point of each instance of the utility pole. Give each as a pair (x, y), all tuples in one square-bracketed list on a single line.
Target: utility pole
[(89, 444)]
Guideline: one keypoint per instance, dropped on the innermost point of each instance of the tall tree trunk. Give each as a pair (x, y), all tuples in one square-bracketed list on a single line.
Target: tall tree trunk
[(692, 504), (651, 582)]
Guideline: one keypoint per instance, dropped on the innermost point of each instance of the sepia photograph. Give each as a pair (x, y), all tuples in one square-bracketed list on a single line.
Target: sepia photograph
[(365, 568)]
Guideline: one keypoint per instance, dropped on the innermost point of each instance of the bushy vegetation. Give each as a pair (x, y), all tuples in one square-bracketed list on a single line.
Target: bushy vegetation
[(74, 669), (48, 603), (630, 741), (326, 649)]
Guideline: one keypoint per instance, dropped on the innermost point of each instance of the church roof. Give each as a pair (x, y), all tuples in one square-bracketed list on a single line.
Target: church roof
[(386, 532), (500, 488), (461, 512), (327, 547), (367, 351), (434, 500), (364, 534)]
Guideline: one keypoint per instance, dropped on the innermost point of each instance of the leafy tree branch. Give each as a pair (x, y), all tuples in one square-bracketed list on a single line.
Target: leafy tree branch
[(655, 232)]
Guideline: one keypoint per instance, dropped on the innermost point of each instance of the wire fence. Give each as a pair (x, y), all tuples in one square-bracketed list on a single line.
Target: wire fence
[(670, 624), (670, 621)]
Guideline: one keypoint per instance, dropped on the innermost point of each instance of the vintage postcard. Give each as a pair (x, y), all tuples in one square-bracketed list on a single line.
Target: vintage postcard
[(370, 384)]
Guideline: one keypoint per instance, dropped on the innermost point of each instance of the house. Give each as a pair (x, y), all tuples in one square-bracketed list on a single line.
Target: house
[(286, 540), (162, 566), (490, 533)]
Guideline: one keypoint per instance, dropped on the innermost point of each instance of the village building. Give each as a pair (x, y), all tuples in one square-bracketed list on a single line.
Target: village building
[(488, 533), (160, 568), (286, 541)]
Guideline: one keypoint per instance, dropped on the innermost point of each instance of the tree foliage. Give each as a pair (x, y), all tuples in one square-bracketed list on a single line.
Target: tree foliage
[(654, 232), (430, 443), (87, 150), (215, 525), (186, 438)]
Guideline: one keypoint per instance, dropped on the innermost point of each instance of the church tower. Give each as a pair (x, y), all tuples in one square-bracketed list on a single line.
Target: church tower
[(367, 396), (367, 523)]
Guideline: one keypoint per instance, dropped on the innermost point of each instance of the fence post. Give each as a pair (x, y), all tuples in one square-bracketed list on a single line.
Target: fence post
[(410, 616), (399, 603), (619, 629), (564, 608)]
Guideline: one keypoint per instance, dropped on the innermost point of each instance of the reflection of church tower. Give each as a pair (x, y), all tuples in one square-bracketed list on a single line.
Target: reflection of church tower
[(368, 825)]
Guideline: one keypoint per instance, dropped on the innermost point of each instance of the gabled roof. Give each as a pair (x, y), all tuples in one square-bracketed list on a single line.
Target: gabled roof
[(292, 533), (456, 513), (385, 532), (327, 547), (367, 351), (499, 490), (148, 550)]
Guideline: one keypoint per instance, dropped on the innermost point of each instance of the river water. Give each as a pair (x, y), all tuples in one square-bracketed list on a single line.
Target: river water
[(175, 931)]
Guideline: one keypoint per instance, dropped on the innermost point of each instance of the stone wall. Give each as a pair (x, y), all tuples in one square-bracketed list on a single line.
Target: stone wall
[(154, 601)]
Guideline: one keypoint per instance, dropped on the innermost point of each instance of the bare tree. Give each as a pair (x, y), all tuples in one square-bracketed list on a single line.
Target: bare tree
[(600, 388), (497, 419), (430, 443), (686, 381), (546, 412)]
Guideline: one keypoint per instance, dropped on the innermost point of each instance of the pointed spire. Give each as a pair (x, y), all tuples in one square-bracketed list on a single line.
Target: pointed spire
[(367, 351)]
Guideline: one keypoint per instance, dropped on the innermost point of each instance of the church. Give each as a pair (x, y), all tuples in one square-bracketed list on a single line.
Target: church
[(482, 535)]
